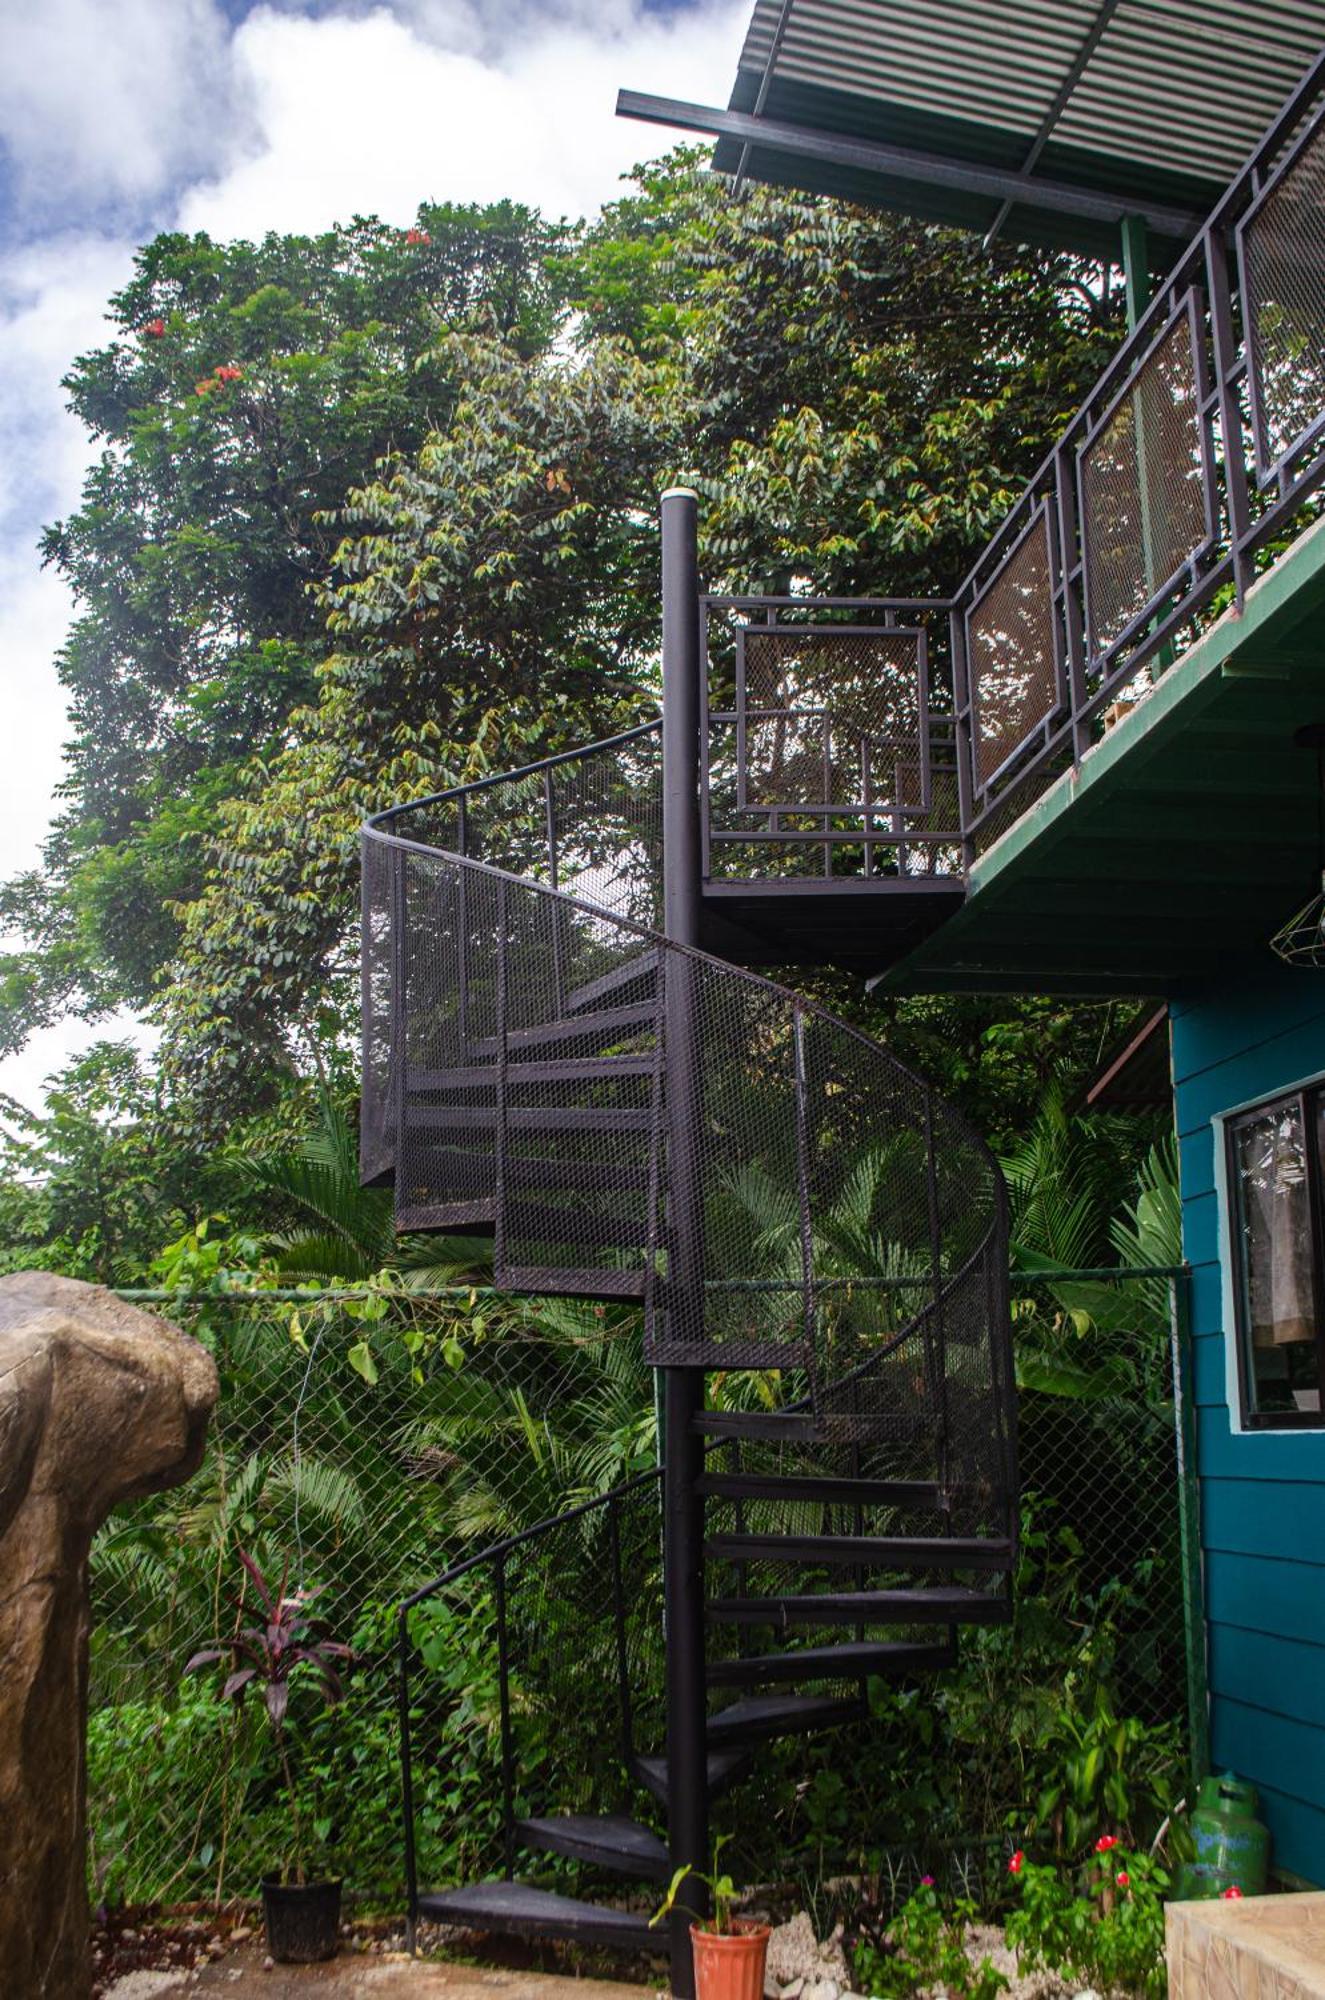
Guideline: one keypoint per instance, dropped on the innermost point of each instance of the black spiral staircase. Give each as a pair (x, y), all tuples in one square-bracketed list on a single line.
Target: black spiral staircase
[(817, 1245)]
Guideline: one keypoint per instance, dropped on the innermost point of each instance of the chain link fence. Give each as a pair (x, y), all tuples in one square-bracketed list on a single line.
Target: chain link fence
[(368, 1441)]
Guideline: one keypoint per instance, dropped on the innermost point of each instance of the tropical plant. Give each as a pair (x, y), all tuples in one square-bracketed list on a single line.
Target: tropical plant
[(722, 1891), (924, 1947), (1101, 1920), (267, 1656)]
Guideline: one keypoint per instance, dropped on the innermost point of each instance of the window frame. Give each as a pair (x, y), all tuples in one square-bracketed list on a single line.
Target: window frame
[(1310, 1102)]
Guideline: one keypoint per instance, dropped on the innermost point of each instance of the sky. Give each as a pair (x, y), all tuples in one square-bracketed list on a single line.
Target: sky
[(120, 118)]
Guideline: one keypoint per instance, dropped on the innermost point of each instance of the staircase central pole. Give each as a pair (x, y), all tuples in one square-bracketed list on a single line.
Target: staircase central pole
[(683, 1505)]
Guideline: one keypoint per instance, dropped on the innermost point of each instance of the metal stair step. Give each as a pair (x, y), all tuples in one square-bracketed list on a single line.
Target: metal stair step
[(622, 977), (574, 1069), (524, 1118), (447, 1217), (917, 1493), (761, 1716), (585, 1176), (873, 1551), (602, 1021), (854, 1658), (610, 1840), (517, 1908), (531, 1222), (865, 1607), (809, 1426), (726, 1767), (570, 1282)]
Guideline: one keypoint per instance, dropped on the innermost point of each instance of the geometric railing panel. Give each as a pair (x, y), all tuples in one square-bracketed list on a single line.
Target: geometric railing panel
[(1283, 267), (832, 717), (1012, 653), (1144, 495)]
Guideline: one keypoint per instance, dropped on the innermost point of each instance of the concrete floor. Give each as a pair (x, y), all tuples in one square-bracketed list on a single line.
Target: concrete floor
[(241, 1975)]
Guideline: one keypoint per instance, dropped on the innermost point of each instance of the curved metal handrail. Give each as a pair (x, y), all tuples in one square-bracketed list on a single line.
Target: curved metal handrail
[(379, 827)]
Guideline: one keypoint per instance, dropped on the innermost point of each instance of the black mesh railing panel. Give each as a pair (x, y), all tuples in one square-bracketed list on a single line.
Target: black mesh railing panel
[(1283, 257), (1013, 654), (580, 1084), (833, 717), (830, 740), (567, 1625), (377, 1132), (1144, 501), (451, 924), (640, 1122)]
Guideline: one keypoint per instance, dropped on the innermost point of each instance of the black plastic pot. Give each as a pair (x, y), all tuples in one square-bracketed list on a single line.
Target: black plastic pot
[(303, 1923)]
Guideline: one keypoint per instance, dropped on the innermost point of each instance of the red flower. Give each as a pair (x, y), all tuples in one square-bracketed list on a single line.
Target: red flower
[(927, 1881), (201, 388), (1105, 1842), (1232, 1894), (155, 327), (1123, 1879), (229, 373), (1017, 1863), (417, 236)]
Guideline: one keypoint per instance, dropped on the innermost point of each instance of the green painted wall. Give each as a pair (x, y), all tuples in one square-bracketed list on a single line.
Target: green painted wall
[(1262, 1494)]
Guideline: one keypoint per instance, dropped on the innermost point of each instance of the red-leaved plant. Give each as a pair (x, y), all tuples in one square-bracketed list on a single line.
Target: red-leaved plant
[(266, 1656)]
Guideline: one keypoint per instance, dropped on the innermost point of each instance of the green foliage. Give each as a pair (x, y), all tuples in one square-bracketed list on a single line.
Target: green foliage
[(924, 1947), (92, 1188), (1100, 1921), (246, 387), (375, 512)]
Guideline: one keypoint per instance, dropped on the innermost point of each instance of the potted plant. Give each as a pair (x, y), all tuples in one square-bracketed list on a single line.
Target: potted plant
[(302, 1916), (729, 1951)]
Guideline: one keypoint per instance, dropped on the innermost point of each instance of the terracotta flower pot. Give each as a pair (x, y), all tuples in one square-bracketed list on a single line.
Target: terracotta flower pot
[(729, 1965)]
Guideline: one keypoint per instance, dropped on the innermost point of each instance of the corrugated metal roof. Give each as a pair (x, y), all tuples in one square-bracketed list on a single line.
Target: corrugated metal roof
[(1163, 98)]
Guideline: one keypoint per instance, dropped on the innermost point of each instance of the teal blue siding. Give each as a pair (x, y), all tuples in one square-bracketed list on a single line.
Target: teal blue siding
[(1262, 1495)]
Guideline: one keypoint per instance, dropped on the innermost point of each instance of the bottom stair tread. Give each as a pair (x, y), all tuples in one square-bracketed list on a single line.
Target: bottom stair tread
[(529, 1912), (608, 1840)]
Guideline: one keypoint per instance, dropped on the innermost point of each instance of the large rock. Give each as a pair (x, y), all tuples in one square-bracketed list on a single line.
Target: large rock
[(98, 1403)]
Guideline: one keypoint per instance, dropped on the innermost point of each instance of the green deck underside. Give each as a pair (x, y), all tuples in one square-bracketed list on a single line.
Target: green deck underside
[(1184, 839)]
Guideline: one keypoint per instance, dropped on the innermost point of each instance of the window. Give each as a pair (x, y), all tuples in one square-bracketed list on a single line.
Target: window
[(1276, 1165)]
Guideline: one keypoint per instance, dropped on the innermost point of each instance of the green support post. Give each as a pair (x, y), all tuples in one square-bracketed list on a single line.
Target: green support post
[(1136, 267), (1189, 1525)]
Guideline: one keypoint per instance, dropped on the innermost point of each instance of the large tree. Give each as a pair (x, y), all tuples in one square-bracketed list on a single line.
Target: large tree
[(857, 399), (376, 512), (246, 387)]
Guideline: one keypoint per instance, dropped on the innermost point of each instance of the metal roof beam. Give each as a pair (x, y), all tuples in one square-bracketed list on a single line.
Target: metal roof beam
[(904, 163), (1076, 70)]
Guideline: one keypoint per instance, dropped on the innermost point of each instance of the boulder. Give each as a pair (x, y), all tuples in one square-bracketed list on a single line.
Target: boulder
[(98, 1403)]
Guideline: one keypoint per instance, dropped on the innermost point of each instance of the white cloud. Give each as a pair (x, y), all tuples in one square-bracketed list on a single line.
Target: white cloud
[(376, 112), (103, 103), (293, 120)]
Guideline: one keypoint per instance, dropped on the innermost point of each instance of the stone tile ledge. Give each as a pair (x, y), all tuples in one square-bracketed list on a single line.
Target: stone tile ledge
[(1261, 1948)]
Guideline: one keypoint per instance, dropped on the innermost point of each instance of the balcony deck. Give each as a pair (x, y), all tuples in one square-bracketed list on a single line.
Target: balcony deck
[(1183, 839), (1076, 738)]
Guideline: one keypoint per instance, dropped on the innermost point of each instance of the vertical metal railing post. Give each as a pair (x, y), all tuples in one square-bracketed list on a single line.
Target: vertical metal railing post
[(1232, 441), (619, 1625), (407, 1791), (1189, 1525), (1072, 549), (683, 1505), (963, 731), (504, 1693), (399, 1060), (935, 1335), (554, 882)]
